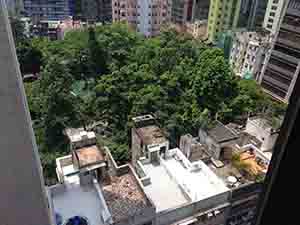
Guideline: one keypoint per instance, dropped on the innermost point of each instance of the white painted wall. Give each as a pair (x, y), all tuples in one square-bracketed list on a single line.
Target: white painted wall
[(144, 18), (263, 134), (276, 19)]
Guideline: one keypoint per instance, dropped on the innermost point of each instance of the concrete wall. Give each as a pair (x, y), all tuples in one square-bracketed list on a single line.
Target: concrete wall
[(244, 200), (262, 134), (171, 216), (23, 197), (213, 147), (144, 178), (147, 214), (135, 146)]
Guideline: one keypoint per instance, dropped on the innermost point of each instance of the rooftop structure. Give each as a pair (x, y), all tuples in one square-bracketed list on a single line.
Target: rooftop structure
[(217, 138), (193, 149), (148, 139), (243, 168), (151, 135), (163, 190), (220, 133), (180, 179), (88, 155), (263, 130), (79, 137), (174, 183), (106, 193)]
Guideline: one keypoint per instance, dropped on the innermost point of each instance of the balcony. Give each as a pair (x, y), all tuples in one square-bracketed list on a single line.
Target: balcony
[(291, 28), (290, 42), (272, 89), (281, 71), (275, 80), (285, 57)]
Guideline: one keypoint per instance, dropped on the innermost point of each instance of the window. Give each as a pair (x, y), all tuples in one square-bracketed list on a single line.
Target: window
[(270, 20), (148, 223), (269, 26), (272, 14), (274, 7)]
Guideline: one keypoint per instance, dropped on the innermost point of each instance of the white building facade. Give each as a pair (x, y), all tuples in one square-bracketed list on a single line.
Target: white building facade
[(273, 15), (248, 52), (145, 16)]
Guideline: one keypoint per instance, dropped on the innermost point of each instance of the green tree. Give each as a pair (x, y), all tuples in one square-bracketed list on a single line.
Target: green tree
[(30, 58), (18, 30), (97, 56), (59, 104)]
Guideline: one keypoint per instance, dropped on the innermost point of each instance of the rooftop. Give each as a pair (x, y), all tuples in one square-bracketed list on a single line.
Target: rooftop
[(75, 200), (175, 181), (251, 162), (191, 176), (220, 133), (246, 139), (228, 170), (163, 191), (124, 197), (89, 155), (78, 134), (255, 166), (266, 123), (151, 134)]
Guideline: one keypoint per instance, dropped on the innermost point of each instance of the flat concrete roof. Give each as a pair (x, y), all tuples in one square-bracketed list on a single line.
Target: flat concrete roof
[(196, 179), (163, 191), (89, 155), (76, 134), (78, 200)]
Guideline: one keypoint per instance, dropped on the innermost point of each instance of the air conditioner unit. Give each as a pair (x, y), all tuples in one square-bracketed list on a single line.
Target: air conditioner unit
[(209, 215), (217, 212)]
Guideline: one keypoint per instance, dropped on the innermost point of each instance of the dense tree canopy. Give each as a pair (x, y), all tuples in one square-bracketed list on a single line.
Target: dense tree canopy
[(182, 81)]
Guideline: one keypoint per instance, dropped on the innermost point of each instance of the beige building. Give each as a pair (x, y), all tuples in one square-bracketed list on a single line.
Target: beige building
[(197, 29), (145, 16)]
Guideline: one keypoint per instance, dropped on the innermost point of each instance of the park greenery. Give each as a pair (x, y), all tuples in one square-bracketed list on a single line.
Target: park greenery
[(185, 83)]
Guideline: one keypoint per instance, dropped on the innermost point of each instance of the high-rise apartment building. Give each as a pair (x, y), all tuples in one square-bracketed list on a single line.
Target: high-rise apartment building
[(282, 66), (248, 52), (145, 16), (273, 15), (251, 14), (23, 196), (235, 14), (96, 10), (182, 11), (49, 9), (200, 9), (15, 7), (223, 15)]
